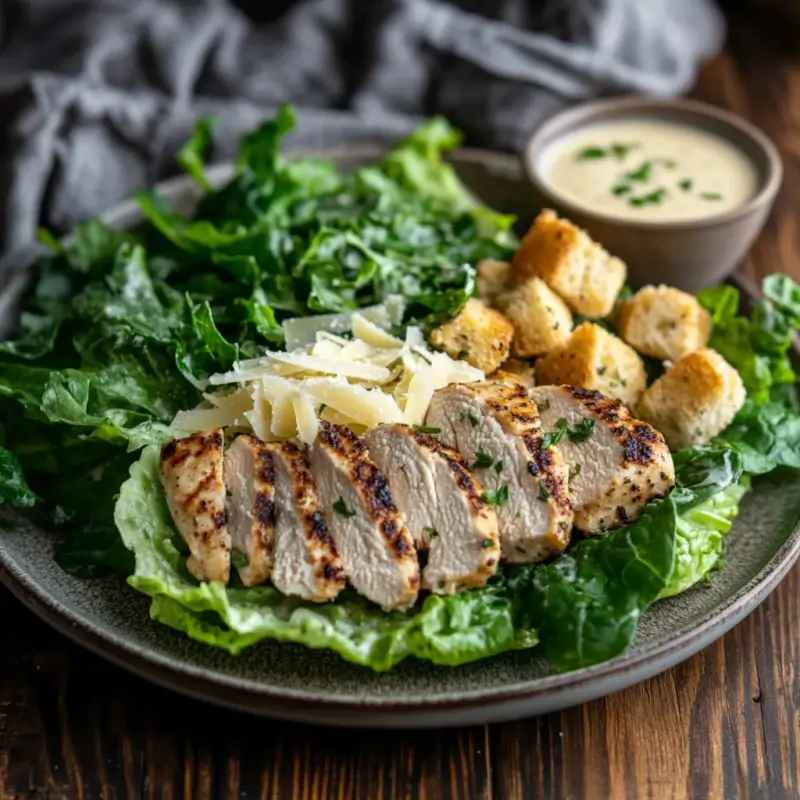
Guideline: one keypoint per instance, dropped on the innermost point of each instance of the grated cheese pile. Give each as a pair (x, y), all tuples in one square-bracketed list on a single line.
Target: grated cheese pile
[(360, 382)]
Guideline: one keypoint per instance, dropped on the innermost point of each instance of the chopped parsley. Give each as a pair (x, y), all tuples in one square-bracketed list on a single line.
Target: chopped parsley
[(652, 199), (621, 189), (590, 153), (582, 431), (601, 370), (622, 381), (496, 497), (487, 543), (482, 461), (427, 429), (340, 507), (498, 467), (462, 354), (543, 493), (239, 559), (686, 184), (574, 472), (322, 407), (619, 150), (642, 174), (554, 437), (432, 532), (474, 421), (545, 406), (711, 196)]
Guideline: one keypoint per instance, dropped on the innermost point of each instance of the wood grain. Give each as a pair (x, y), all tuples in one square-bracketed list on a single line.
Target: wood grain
[(724, 724)]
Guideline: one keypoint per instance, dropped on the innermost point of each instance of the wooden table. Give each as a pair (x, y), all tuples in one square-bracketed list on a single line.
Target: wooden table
[(723, 724)]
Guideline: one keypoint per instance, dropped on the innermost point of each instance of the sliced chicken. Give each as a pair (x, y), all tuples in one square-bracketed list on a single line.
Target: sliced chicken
[(191, 473), (442, 503), (369, 532), (497, 430), (307, 563), (617, 463), (250, 485)]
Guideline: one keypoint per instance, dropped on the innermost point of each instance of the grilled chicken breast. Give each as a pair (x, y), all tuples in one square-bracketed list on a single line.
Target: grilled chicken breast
[(617, 468), (307, 563), (250, 484), (369, 531), (442, 503), (191, 473), (497, 430)]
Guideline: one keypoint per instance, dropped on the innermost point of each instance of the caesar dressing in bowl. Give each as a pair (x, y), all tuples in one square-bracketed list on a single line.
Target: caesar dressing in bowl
[(650, 169), (677, 189)]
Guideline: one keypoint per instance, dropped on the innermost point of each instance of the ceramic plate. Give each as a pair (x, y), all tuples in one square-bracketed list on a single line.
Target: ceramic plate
[(289, 681)]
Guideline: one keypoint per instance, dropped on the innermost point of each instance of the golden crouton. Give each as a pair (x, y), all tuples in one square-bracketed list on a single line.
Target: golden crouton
[(493, 277), (541, 319), (593, 358), (571, 264), (478, 334), (694, 400), (663, 322), (515, 371)]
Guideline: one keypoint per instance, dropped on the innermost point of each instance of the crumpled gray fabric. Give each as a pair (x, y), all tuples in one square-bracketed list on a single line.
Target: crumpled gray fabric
[(97, 95)]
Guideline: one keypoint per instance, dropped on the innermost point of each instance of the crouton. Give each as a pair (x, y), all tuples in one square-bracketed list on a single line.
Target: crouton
[(593, 358), (542, 321), (694, 400), (478, 334), (515, 371), (663, 322), (493, 278), (571, 264)]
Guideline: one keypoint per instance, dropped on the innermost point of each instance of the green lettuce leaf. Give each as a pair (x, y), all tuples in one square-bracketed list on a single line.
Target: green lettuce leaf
[(452, 630), (700, 532), (193, 154), (14, 488)]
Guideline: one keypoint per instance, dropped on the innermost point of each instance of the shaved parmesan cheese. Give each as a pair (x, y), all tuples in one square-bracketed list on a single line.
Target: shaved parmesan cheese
[(305, 417), (334, 366), (203, 419), (369, 407), (360, 382), (260, 417), (300, 331), (420, 392), (369, 332), (284, 424)]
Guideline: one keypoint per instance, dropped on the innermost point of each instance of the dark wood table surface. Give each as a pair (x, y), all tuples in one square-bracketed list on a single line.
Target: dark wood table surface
[(726, 723)]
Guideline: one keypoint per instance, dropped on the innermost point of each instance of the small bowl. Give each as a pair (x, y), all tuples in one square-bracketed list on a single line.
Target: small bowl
[(689, 254)]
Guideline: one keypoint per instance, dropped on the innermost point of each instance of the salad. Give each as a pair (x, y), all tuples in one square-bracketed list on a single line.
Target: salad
[(355, 412)]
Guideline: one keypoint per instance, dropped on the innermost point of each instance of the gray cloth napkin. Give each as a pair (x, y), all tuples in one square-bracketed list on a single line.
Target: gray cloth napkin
[(97, 95)]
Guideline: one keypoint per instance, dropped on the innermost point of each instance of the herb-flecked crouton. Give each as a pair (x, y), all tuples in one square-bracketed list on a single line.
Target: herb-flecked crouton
[(663, 322), (593, 358), (493, 278), (542, 321), (479, 334), (570, 263), (693, 401)]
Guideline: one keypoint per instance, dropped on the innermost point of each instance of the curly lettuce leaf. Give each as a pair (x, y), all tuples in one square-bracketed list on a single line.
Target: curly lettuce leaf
[(451, 630)]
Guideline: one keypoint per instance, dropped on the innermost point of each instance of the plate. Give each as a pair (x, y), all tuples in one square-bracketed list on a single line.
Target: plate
[(291, 682)]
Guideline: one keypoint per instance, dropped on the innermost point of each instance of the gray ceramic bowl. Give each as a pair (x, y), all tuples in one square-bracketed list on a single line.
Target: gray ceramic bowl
[(688, 254)]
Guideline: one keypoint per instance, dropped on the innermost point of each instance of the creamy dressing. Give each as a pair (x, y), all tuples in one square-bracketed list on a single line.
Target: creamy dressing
[(649, 169)]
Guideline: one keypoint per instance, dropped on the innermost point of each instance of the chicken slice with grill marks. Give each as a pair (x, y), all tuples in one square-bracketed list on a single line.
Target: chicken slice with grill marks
[(307, 563), (441, 500), (617, 463), (250, 484), (191, 473), (369, 531), (496, 428)]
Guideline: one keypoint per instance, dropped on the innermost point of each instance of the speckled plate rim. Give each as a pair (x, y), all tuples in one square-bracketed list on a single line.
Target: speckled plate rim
[(521, 699)]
